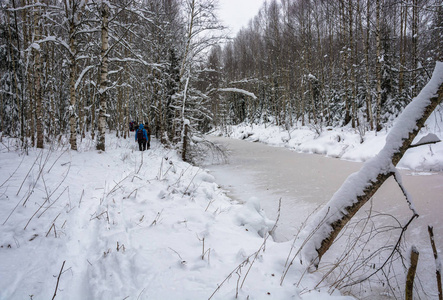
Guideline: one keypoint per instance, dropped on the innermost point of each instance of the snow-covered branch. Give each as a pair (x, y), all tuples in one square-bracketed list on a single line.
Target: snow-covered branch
[(79, 79), (427, 140), (235, 90)]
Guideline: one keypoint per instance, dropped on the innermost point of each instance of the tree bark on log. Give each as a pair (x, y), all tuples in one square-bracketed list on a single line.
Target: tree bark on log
[(361, 186)]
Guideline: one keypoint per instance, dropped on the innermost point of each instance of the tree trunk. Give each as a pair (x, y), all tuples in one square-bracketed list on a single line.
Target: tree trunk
[(185, 141), (352, 64), (403, 23), (2, 119), (369, 117), (120, 127), (415, 21), (378, 67), (12, 59), (103, 79), (361, 186), (72, 71), (346, 59), (37, 79), (189, 37)]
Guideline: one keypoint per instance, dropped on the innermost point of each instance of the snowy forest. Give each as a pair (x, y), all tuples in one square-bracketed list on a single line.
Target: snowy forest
[(84, 215), (75, 68), (328, 63)]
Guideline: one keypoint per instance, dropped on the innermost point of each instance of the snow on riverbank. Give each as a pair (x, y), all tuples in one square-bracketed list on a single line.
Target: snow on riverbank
[(345, 143), (122, 224)]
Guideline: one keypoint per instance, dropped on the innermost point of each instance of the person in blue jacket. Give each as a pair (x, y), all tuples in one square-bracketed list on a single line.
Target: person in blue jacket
[(141, 136)]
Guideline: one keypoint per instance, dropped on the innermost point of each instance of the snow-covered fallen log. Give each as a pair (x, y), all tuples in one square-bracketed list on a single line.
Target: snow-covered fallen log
[(362, 185)]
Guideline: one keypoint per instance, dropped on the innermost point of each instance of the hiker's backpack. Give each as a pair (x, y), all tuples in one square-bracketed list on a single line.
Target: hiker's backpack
[(140, 136)]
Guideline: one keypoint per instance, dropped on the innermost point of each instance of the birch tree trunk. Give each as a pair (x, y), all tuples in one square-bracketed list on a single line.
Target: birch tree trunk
[(415, 72), (120, 128), (37, 79), (378, 66), (27, 82), (361, 186), (403, 23), (189, 36), (369, 117), (72, 71), (12, 58), (103, 79), (352, 65), (346, 59)]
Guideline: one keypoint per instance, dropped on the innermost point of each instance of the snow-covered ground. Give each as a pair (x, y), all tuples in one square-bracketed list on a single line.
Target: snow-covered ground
[(123, 224)]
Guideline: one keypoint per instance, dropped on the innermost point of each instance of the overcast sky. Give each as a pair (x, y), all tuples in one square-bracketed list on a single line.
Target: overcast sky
[(237, 13)]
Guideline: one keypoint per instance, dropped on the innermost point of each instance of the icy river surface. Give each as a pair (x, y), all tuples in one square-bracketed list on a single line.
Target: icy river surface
[(258, 172)]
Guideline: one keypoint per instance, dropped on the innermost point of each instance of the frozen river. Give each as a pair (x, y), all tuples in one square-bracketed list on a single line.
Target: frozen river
[(305, 181)]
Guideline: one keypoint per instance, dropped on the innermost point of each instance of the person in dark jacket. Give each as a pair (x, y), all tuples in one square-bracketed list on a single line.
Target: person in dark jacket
[(141, 136)]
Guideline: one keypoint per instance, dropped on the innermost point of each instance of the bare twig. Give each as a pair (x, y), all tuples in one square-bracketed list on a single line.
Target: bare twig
[(58, 280), (346, 255), (295, 239), (81, 197), (117, 185), (156, 218), (209, 204), (427, 143), (98, 216), (55, 231), (49, 206), (190, 182), (141, 164), (41, 168), (395, 248), (49, 170), (10, 176), (178, 254), (242, 264), (159, 176), (35, 161), (301, 247), (408, 197)]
